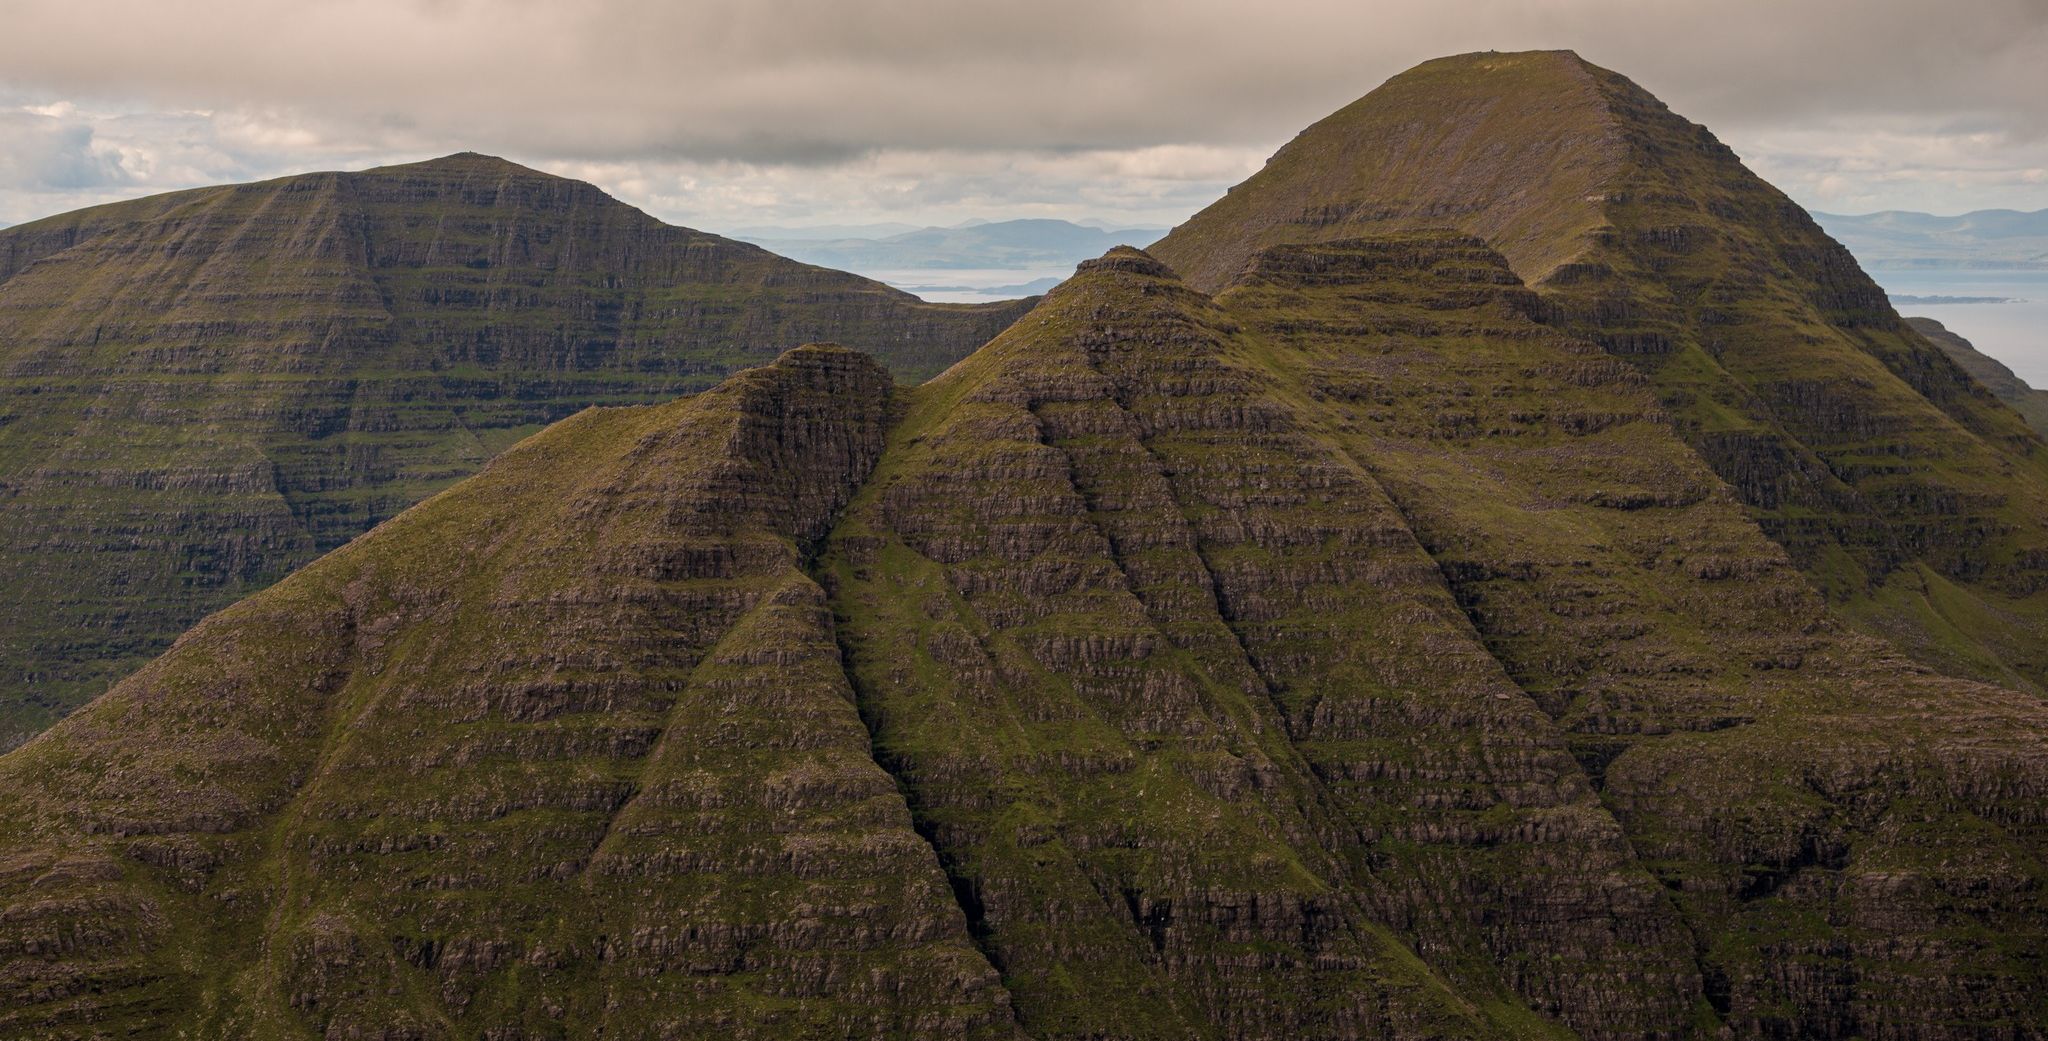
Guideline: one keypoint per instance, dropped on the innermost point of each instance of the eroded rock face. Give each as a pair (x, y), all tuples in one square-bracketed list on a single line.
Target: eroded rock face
[(202, 391), (1126, 588)]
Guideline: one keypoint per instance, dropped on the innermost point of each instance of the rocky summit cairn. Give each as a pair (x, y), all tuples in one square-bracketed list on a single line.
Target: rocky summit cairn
[(1349, 645), (201, 391)]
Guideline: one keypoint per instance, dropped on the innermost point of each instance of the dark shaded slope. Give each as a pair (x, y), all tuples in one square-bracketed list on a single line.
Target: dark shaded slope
[(568, 744), (201, 391), (2030, 402), (1908, 493)]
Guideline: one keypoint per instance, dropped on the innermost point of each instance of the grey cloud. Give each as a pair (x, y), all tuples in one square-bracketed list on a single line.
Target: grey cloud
[(779, 79), (42, 152), (682, 91)]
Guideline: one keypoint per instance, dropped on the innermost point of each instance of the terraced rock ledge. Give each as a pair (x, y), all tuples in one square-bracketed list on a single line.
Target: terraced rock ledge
[(201, 391)]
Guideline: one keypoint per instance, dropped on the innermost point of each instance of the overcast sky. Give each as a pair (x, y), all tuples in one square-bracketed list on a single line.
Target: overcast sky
[(725, 114)]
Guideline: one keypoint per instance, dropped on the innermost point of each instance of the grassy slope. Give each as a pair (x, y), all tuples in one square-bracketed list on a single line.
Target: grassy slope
[(1037, 593), (201, 391), (1351, 653), (568, 742), (1810, 799), (1858, 445)]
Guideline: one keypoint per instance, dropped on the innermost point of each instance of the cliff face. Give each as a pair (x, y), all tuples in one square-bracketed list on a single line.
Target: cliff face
[(1348, 654), (1913, 498), (201, 391)]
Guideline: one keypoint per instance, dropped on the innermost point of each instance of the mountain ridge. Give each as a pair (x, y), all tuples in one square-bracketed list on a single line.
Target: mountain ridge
[(1363, 643), (1237, 647), (252, 374)]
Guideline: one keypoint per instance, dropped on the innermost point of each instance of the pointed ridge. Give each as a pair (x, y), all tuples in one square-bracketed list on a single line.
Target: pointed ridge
[(844, 375), (1562, 58), (1127, 259), (1517, 147)]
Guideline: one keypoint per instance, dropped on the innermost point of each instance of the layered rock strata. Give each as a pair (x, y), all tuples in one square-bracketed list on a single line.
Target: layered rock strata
[(201, 391)]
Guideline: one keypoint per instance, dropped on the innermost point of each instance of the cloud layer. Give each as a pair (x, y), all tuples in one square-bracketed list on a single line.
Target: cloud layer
[(723, 113)]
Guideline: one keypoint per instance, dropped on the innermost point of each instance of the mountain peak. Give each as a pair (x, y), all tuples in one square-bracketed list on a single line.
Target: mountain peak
[(1128, 259), (1519, 148), (1647, 236), (468, 163), (1490, 61), (461, 302)]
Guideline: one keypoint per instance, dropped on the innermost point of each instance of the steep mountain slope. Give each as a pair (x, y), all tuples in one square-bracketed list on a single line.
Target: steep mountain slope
[(1134, 633), (567, 742), (1346, 655), (201, 391), (1816, 806), (2030, 402), (1908, 493)]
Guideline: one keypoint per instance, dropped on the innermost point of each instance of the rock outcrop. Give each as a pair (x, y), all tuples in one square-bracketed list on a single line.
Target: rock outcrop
[(201, 391)]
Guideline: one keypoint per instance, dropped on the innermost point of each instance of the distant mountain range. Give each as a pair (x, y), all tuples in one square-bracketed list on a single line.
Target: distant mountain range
[(1902, 239), (972, 245)]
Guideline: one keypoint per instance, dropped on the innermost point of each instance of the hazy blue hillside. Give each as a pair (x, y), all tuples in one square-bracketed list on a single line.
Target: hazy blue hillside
[(1010, 244), (2000, 239), (782, 232)]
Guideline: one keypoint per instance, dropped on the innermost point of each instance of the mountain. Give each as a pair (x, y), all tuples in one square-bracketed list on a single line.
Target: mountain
[(1988, 371), (816, 232), (987, 244), (1346, 654), (201, 391), (1345, 635), (1913, 498), (1903, 240)]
